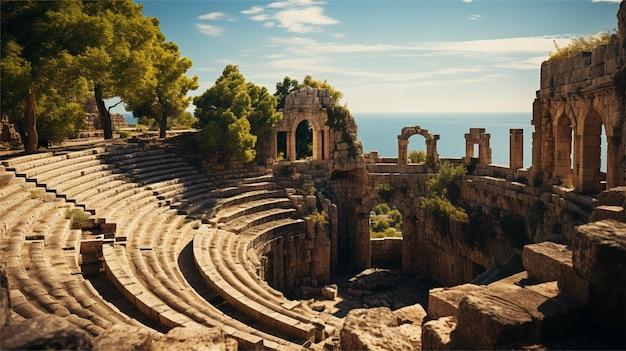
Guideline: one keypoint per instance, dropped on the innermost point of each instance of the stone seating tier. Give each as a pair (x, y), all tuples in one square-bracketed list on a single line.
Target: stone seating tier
[(219, 266)]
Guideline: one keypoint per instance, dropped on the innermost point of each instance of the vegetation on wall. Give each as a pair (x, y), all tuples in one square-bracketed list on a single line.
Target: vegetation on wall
[(442, 189), (579, 45), (417, 156)]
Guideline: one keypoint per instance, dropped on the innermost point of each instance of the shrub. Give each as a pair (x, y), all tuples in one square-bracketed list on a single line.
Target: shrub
[(320, 219), (385, 191), (443, 210), (380, 226), (417, 156), (444, 182), (579, 45), (79, 218), (396, 217), (381, 209), (390, 232)]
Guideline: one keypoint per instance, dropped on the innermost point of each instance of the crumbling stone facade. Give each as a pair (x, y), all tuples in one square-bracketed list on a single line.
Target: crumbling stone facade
[(580, 96)]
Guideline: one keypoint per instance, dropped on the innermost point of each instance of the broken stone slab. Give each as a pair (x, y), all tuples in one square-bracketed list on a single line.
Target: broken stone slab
[(603, 212), (439, 334), (378, 329), (5, 302), (330, 292), (494, 318), (195, 337), (123, 337), (445, 301), (44, 332), (599, 254), (543, 261), (613, 197), (599, 258)]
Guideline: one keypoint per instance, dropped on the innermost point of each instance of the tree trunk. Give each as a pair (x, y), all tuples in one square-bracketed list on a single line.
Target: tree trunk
[(103, 112), (163, 128), (32, 138)]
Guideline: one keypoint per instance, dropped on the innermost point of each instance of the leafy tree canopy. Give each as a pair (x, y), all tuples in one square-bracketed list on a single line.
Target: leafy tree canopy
[(53, 50), (233, 113), (165, 95)]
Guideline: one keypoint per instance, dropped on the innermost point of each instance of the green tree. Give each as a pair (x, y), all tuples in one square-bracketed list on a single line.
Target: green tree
[(165, 95), (121, 65), (380, 226), (51, 50), (381, 209), (283, 89), (41, 42), (232, 113), (396, 217), (417, 156)]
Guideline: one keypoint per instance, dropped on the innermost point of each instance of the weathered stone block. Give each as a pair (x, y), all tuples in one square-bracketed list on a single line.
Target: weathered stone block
[(494, 318), (123, 337), (543, 261), (445, 301), (44, 332), (439, 334), (195, 338), (378, 329), (599, 254), (603, 212)]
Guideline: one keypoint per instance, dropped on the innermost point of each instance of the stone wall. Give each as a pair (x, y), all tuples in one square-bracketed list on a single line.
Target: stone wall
[(386, 252), (578, 96)]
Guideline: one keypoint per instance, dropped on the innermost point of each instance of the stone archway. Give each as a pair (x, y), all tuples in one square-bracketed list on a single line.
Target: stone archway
[(363, 243), (304, 105), (403, 143), (587, 165)]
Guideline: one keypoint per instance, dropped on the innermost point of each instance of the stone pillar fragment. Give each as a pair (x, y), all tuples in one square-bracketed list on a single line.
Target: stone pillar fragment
[(516, 149)]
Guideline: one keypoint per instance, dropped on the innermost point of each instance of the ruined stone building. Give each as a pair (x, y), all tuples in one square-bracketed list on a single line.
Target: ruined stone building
[(152, 245), (580, 98)]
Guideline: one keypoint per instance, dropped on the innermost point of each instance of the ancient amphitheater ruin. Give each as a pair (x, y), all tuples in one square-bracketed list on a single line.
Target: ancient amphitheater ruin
[(143, 244)]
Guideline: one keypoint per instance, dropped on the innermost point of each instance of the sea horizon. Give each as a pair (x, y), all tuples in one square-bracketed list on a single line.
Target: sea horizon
[(379, 131)]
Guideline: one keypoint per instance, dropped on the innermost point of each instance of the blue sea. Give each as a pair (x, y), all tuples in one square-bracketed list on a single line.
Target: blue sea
[(379, 131)]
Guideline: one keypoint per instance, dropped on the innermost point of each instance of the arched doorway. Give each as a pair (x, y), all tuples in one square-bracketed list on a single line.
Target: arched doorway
[(589, 161), (304, 140), (403, 142), (386, 236)]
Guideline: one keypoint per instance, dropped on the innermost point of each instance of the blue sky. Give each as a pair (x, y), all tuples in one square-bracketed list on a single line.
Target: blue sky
[(385, 56)]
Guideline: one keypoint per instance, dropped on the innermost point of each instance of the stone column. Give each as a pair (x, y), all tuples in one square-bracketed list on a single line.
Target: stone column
[(291, 145), (432, 156), (484, 149), (516, 149), (403, 154)]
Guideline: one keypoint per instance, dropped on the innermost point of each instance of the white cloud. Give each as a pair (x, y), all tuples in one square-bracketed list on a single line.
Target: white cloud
[(297, 16), (543, 44), (467, 1), (208, 29), (269, 24), (253, 10), (214, 16), (304, 20), (474, 17)]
